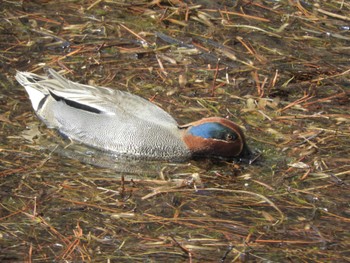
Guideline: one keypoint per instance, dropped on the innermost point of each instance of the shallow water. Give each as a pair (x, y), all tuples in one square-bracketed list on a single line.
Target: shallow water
[(282, 74)]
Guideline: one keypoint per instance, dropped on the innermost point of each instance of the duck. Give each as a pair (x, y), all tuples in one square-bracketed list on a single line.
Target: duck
[(124, 124)]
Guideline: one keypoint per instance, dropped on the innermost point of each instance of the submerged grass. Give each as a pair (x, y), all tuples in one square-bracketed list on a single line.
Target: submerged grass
[(279, 69)]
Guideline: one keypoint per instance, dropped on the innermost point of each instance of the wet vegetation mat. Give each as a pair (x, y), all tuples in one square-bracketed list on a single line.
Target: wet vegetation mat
[(280, 69)]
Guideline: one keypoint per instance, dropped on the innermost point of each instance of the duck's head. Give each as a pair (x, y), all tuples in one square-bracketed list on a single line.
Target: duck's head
[(216, 137)]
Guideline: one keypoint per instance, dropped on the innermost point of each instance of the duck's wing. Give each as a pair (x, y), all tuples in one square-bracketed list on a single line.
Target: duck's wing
[(100, 100)]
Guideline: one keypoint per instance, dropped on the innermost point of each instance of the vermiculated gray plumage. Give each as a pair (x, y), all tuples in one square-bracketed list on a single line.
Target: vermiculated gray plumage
[(108, 119)]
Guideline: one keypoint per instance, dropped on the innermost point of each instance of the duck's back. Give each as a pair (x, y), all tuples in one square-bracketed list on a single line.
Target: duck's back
[(103, 118)]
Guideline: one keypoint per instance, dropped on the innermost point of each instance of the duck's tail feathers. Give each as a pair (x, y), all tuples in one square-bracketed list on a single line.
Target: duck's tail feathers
[(35, 91)]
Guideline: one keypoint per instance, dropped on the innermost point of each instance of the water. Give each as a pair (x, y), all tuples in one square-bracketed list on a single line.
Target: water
[(282, 73)]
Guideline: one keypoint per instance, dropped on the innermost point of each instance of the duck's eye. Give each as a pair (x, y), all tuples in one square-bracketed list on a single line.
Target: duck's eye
[(230, 137)]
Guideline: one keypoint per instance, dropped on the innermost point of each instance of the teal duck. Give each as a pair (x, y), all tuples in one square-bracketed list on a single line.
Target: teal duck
[(125, 124)]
